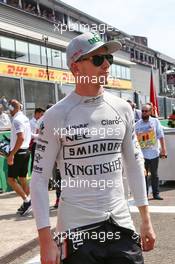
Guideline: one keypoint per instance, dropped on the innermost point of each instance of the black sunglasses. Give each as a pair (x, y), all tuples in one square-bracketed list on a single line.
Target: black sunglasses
[(98, 60)]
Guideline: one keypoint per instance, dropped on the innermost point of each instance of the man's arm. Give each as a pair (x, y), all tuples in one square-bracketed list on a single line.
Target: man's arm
[(160, 136), (146, 229), (48, 249), (134, 166), (18, 144), (163, 150), (47, 148)]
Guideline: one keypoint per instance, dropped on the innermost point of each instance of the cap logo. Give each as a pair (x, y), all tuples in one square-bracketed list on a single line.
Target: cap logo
[(94, 40)]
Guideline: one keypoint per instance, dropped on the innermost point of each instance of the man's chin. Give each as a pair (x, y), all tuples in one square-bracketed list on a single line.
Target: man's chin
[(145, 118)]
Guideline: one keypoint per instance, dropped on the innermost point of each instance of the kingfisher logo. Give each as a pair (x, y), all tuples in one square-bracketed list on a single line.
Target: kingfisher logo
[(107, 122)]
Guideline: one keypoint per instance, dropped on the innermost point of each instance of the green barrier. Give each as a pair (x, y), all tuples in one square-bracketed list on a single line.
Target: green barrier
[(164, 122), (3, 176), (4, 168)]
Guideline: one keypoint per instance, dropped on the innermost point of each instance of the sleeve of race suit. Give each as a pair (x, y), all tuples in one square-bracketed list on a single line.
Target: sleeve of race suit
[(134, 162), (47, 148)]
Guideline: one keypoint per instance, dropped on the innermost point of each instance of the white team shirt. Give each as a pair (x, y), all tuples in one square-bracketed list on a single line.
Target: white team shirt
[(92, 139), (20, 123), (5, 122), (33, 125)]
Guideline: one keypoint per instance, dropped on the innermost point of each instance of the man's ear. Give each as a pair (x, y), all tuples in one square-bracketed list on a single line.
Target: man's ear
[(75, 68)]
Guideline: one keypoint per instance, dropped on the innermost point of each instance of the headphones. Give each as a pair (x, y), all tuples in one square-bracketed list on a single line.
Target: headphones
[(11, 107)]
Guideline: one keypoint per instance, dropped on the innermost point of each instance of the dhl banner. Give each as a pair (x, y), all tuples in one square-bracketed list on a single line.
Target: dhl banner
[(60, 76)]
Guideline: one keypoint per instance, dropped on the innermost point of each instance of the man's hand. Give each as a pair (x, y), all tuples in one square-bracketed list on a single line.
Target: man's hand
[(148, 236), (49, 253), (163, 153), (10, 159)]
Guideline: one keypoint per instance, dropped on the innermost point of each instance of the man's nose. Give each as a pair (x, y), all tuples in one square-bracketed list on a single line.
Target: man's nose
[(106, 63)]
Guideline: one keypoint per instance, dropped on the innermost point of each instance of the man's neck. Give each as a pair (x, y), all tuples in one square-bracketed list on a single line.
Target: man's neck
[(145, 120), (16, 112), (89, 90)]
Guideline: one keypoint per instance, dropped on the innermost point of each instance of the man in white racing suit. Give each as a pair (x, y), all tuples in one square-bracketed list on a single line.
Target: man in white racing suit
[(90, 133)]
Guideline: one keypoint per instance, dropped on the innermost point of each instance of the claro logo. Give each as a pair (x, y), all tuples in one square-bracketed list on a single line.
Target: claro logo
[(115, 121)]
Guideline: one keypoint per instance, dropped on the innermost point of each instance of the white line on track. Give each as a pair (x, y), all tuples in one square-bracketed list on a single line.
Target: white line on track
[(152, 208), (155, 209)]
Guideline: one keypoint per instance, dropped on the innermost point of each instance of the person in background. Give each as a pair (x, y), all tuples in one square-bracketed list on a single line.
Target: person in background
[(151, 107), (171, 119), (5, 123), (34, 124), (19, 155), (34, 121), (137, 112), (28, 7), (149, 132), (44, 14)]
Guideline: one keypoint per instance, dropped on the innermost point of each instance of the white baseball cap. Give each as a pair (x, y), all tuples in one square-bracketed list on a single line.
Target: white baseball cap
[(86, 43)]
